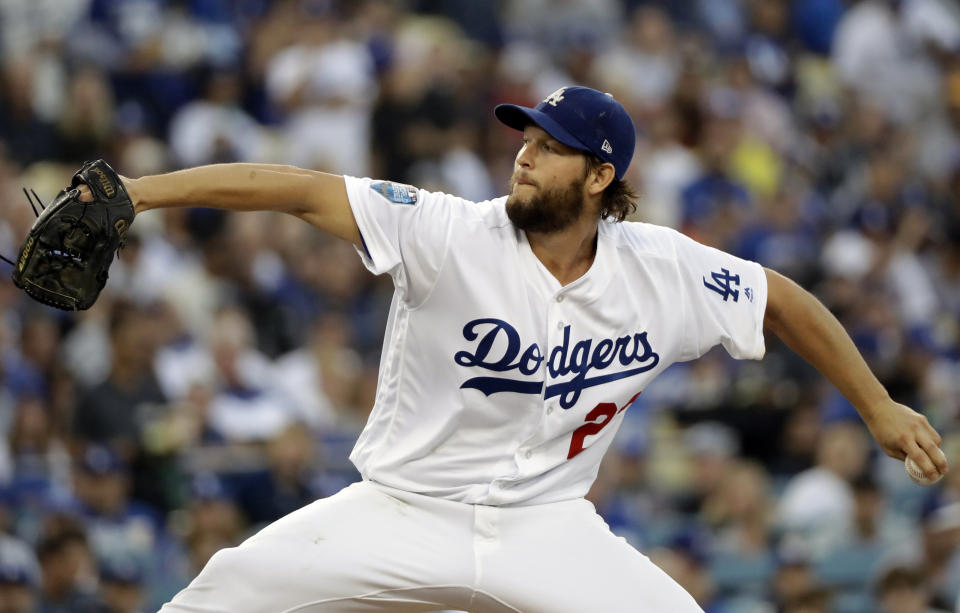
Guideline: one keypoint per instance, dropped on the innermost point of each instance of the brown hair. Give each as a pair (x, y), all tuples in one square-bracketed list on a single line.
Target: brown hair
[(619, 199), (898, 577)]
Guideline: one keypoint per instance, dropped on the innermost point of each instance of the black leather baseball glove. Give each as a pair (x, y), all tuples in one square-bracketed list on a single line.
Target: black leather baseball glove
[(66, 256)]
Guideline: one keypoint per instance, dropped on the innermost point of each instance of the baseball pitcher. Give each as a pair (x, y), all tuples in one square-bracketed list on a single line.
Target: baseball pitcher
[(520, 331)]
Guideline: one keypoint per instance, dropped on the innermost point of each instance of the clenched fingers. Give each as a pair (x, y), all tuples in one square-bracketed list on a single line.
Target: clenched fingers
[(934, 455)]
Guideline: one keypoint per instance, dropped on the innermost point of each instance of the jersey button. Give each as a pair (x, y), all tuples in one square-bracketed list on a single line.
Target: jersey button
[(559, 325), (549, 410), (560, 298), (527, 454)]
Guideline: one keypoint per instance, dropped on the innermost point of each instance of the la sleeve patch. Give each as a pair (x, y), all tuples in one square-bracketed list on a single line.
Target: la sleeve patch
[(725, 283), (397, 193)]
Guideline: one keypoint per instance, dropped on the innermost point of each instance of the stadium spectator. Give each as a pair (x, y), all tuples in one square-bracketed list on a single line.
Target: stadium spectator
[(903, 590), (19, 576), (246, 407), (215, 128), (819, 503), (67, 567), (121, 585), (324, 82)]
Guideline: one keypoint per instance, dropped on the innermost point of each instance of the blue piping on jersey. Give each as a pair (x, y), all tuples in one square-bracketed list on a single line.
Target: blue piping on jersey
[(364, 243)]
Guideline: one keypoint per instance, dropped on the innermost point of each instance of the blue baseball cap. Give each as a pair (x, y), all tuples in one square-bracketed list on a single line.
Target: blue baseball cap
[(100, 460), (582, 118), (208, 487), (121, 569), (12, 573)]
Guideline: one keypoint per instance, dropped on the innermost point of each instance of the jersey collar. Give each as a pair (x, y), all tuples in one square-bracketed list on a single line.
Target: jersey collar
[(588, 287)]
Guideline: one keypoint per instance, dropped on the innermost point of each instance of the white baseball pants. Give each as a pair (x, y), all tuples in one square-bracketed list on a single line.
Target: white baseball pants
[(371, 548)]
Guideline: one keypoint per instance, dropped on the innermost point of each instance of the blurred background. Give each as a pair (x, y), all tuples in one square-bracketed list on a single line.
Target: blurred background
[(223, 376)]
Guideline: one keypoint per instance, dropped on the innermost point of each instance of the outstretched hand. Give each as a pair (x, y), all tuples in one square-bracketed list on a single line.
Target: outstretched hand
[(903, 432), (87, 196)]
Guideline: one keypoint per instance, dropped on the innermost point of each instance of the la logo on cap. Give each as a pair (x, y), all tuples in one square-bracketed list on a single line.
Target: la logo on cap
[(555, 97)]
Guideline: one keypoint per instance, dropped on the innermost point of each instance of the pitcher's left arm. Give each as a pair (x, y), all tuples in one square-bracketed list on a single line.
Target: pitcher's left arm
[(806, 326)]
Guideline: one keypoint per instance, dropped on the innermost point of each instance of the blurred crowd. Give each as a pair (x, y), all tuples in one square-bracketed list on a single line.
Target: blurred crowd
[(222, 377)]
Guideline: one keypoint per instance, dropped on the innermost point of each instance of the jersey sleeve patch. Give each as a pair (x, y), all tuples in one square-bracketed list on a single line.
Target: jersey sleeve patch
[(727, 284), (397, 193)]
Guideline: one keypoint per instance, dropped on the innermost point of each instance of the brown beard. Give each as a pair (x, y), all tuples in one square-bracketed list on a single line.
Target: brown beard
[(550, 210)]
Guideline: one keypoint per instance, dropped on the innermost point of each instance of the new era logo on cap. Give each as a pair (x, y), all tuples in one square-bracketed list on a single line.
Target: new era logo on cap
[(582, 118)]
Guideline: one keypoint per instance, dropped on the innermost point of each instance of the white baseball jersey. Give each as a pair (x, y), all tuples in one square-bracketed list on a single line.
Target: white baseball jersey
[(499, 386)]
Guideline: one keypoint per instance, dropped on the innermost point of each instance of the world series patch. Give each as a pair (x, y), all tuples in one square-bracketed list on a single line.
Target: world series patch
[(397, 193)]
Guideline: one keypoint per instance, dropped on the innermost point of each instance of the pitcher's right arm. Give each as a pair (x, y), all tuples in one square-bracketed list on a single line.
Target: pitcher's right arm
[(316, 197)]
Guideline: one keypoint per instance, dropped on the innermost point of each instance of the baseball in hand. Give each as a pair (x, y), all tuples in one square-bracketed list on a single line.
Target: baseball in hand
[(917, 474)]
